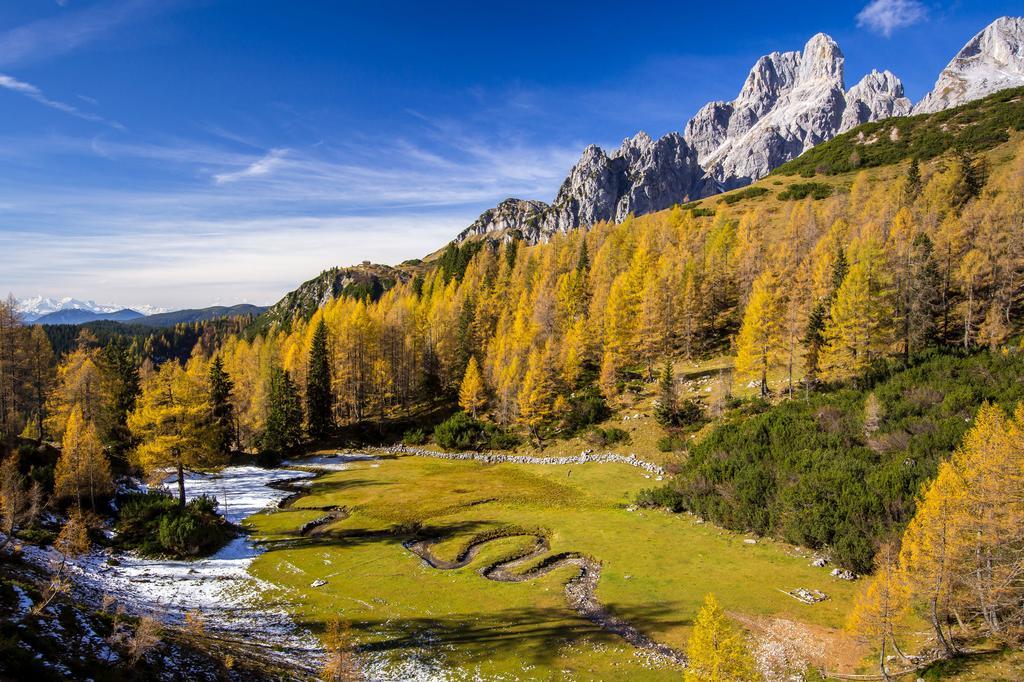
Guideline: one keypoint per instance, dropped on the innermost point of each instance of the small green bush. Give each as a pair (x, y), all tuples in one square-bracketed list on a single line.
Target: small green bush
[(660, 498), (671, 443), (462, 432), (416, 436), (609, 436), (748, 193), (802, 190), (586, 407), (154, 524)]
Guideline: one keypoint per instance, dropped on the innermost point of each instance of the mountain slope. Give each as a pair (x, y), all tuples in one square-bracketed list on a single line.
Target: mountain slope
[(367, 281), (80, 316), (199, 315), (991, 61)]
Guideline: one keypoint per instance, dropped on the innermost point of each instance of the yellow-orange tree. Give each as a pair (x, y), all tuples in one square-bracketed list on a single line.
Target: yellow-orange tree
[(172, 423), (760, 344), (963, 551), (82, 469), (472, 393), (716, 651)]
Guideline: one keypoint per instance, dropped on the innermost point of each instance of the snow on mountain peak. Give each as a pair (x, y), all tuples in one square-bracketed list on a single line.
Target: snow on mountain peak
[(32, 309)]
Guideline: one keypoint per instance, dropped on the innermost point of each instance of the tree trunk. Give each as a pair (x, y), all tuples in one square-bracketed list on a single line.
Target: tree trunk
[(181, 486), (939, 634), (881, 662)]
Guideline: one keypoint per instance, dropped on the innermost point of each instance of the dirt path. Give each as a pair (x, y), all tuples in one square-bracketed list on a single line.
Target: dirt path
[(580, 591)]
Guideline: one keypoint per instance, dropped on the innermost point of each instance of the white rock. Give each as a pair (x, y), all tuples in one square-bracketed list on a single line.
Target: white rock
[(991, 61)]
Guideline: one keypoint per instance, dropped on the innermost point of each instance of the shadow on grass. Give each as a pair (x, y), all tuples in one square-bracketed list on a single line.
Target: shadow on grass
[(354, 537), (533, 635)]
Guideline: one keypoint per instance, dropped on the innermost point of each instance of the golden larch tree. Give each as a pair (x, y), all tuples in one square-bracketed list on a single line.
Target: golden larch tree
[(472, 393), (172, 421), (716, 651), (82, 469), (760, 344)]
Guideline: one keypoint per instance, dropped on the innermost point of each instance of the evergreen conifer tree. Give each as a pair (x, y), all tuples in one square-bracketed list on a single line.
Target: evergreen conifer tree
[(222, 411), (283, 431), (319, 398)]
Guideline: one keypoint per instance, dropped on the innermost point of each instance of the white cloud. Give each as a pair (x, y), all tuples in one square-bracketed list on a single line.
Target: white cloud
[(32, 92), (885, 16), (262, 166), (227, 225)]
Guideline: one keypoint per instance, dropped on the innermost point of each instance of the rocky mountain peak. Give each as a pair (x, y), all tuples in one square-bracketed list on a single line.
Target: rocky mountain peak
[(770, 76), (789, 102), (878, 95), (822, 60), (990, 61)]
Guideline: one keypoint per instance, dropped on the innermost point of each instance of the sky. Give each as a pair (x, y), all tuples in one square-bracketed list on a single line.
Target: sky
[(186, 153)]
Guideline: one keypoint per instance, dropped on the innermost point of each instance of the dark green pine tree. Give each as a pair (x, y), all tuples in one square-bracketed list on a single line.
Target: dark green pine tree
[(583, 263), (319, 398), (912, 183), (223, 432), (667, 411), (283, 431), (120, 374)]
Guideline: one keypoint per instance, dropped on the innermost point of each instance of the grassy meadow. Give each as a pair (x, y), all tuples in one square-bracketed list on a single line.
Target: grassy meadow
[(656, 570)]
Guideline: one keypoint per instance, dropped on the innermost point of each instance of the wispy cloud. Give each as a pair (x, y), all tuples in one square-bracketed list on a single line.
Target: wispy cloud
[(34, 93), (262, 166), (225, 223), (72, 29), (885, 16)]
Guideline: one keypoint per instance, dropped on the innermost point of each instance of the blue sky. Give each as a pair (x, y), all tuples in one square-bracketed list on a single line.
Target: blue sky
[(184, 153)]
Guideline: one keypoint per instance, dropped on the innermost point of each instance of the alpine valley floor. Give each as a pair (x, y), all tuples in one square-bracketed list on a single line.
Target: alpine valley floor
[(483, 594)]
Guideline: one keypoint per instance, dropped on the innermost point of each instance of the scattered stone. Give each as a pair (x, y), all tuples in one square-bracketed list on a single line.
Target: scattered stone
[(749, 541), (843, 574), (318, 583), (819, 562), (807, 596), (498, 458)]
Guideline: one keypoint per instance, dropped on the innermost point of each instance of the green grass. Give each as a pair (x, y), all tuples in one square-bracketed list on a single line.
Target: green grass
[(656, 568)]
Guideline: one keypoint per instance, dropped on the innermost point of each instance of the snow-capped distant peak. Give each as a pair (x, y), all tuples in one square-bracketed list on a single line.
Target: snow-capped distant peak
[(32, 309)]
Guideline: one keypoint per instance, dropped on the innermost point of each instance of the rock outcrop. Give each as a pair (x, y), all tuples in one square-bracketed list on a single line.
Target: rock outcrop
[(991, 61), (876, 96), (641, 176), (789, 102)]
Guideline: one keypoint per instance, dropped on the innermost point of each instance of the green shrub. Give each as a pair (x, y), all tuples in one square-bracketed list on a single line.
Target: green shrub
[(660, 498), (586, 407), (671, 443), (462, 432), (702, 212), (805, 472), (415, 436), (801, 190), (609, 436), (686, 413), (748, 193), (154, 524)]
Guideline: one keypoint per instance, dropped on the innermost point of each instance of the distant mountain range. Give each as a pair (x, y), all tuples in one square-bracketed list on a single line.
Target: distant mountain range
[(790, 102), (41, 310), (81, 316), (33, 309)]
